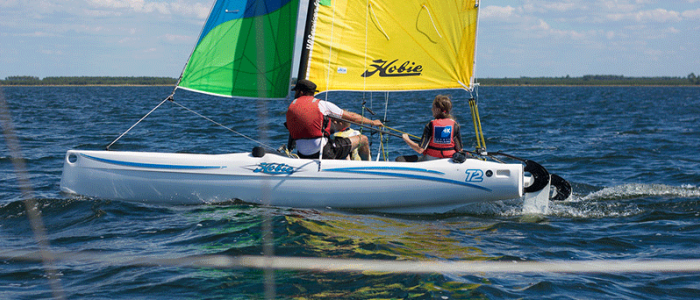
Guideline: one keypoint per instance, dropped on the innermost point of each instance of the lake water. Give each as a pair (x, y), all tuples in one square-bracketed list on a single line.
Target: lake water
[(630, 153)]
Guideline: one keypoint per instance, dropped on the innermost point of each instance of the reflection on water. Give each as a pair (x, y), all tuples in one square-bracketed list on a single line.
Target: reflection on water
[(237, 230), (362, 236), (317, 233), (338, 235)]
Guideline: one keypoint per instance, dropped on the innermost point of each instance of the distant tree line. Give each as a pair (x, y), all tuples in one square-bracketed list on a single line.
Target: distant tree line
[(87, 80), (691, 79)]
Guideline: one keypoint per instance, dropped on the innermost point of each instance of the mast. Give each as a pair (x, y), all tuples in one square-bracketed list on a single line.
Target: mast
[(472, 84), (307, 43)]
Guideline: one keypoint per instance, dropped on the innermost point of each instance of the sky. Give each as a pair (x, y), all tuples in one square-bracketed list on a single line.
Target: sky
[(530, 38)]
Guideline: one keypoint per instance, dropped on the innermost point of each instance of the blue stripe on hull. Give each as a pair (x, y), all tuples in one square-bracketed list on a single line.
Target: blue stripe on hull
[(380, 171), (149, 166)]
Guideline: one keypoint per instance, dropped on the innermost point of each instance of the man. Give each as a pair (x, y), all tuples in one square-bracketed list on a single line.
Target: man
[(309, 125)]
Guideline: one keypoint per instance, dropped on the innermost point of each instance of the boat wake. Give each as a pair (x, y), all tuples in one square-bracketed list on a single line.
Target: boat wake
[(626, 200), (617, 201), (641, 190)]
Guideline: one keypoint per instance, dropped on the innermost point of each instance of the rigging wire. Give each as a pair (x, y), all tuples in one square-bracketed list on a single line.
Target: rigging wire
[(170, 98), (330, 54), (473, 101), (382, 142), (328, 80), (139, 121), (223, 126)]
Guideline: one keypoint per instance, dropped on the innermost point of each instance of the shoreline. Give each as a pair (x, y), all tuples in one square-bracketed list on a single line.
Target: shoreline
[(586, 80), (483, 85)]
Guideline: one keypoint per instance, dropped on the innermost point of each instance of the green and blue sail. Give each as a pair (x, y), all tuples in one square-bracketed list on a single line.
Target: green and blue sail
[(245, 50)]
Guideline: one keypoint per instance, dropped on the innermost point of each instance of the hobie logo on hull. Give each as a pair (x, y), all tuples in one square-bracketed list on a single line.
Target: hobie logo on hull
[(274, 168), (387, 68)]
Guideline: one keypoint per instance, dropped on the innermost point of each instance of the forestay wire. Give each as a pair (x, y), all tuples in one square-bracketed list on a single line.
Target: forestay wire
[(139, 121), (170, 98), (223, 126)]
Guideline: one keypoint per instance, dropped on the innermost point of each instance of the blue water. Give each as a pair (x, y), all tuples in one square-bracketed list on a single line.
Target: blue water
[(630, 153)]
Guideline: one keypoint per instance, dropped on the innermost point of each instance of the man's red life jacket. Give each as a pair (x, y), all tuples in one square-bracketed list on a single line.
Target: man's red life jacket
[(305, 120), (442, 143)]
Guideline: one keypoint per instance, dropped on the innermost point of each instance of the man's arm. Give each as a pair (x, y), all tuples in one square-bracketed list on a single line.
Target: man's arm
[(351, 116)]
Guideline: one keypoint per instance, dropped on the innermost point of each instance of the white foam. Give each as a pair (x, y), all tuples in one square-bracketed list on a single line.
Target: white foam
[(636, 190)]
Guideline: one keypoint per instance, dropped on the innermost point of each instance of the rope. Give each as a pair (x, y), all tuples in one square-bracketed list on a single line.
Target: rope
[(401, 132), (480, 141), (431, 20), (382, 146), (287, 152), (377, 20), (380, 130)]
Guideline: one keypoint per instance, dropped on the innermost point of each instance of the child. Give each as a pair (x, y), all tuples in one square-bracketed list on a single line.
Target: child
[(342, 129), (441, 137)]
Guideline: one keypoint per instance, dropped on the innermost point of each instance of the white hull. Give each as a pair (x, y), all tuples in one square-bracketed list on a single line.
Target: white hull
[(398, 187)]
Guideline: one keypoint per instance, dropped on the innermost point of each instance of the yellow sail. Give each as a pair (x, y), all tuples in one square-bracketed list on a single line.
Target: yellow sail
[(382, 45)]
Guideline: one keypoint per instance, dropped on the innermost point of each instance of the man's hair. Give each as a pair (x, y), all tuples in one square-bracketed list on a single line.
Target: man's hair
[(306, 92)]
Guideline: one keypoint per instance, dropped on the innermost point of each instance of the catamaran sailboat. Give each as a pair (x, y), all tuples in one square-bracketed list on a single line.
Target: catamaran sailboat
[(246, 50)]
